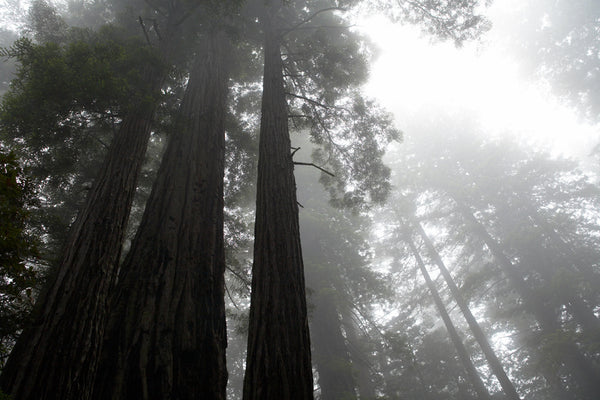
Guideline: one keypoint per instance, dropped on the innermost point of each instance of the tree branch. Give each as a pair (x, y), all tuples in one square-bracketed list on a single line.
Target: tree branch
[(240, 277), (231, 297), (310, 17), (309, 100), (141, 21), (314, 165)]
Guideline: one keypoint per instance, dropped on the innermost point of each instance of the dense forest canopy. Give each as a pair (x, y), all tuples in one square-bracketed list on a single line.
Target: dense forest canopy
[(208, 199)]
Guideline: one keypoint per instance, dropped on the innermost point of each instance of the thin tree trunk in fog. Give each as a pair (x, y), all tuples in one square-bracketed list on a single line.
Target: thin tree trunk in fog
[(490, 355), (463, 354), (278, 363), (585, 373), (56, 356), (166, 336), (364, 379), (333, 362), (583, 313)]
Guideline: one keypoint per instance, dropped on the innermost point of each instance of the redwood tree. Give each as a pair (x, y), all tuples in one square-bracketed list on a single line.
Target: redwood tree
[(166, 336), (279, 361), (463, 354), (56, 355)]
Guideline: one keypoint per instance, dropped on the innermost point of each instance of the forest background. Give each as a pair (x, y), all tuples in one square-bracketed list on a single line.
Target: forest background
[(456, 260)]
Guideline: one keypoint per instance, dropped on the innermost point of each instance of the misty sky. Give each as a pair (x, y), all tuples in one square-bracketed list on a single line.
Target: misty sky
[(482, 79)]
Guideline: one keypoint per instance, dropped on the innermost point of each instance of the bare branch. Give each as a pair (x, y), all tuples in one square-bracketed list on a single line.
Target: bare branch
[(316, 103), (155, 26), (314, 165), (141, 21), (231, 297), (240, 277), (326, 27)]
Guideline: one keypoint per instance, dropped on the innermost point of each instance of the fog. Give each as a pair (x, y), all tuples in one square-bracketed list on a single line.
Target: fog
[(445, 165)]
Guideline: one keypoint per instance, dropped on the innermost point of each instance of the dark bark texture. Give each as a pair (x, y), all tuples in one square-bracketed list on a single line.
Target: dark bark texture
[(56, 357), (278, 363), (166, 336)]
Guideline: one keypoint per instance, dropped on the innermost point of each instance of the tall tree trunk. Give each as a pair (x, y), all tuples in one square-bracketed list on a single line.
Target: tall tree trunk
[(585, 373), (56, 356), (278, 363), (360, 363), (490, 355), (463, 354), (166, 336), (332, 358)]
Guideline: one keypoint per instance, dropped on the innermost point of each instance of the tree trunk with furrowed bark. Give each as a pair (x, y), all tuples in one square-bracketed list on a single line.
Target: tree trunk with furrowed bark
[(278, 363), (56, 356), (166, 336)]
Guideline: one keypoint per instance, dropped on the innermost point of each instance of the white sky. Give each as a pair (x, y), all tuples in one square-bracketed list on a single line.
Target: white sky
[(412, 74)]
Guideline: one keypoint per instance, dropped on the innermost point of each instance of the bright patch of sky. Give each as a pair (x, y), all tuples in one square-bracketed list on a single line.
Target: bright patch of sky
[(412, 74)]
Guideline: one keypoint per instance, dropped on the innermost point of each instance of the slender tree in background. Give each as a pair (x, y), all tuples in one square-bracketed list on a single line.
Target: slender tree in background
[(463, 354), (462, 179), (332, 360), (581, 368), (341, 290), (495, 364)]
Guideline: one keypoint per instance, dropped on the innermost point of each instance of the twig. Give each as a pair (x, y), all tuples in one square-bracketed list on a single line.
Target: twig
[(145, 31), (237, 275), (314, 165), (309, 100), (155, 26), (231, 297), (295, 150), (326, 27)]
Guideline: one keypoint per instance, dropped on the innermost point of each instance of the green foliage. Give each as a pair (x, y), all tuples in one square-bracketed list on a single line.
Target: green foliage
[(325, 65), (18, 250), (454, 20), (62, 108), (353, 142), (95, 72)]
